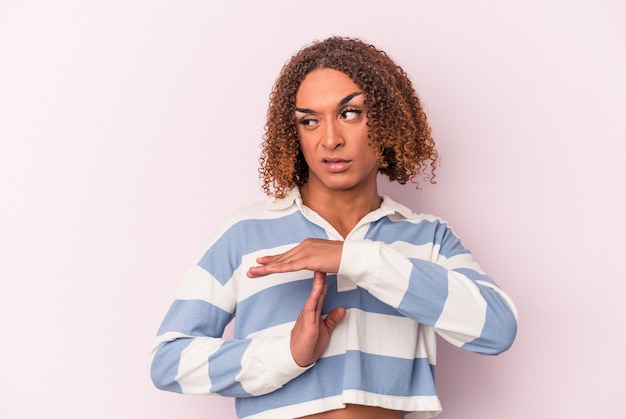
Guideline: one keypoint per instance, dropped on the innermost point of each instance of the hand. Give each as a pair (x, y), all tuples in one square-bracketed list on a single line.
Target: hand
[(312, 254), (311, 333)]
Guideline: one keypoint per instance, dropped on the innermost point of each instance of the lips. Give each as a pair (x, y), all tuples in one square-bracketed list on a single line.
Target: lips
[(335, 165)]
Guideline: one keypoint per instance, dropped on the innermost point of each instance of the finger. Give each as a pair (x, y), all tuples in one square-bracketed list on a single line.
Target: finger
[(264, 260), (316, 296), (319, 280), (257, 272), (334, 318), (274, 268), (280, 257)]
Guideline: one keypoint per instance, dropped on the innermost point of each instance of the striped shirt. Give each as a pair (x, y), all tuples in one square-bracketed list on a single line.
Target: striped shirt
[(403, 278)]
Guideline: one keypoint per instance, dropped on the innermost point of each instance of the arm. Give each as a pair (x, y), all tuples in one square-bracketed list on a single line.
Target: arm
[(437, 284), (451, 293), (190, 355)]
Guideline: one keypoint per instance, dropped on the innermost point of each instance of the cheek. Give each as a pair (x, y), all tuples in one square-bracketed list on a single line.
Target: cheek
[(304, 142), (303, 134), (370, 153), (306, 149), (364, 143), (373, 159)]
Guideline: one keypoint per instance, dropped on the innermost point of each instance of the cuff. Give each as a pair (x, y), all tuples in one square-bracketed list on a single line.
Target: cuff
[(269, 365), (359, 262)]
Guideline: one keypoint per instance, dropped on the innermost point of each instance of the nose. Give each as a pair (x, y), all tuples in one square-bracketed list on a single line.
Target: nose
[(332, 135)]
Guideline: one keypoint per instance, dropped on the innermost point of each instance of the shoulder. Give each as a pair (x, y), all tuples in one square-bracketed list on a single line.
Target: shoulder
[(257, 212), (403, 224), (399, 212), (243, 227)]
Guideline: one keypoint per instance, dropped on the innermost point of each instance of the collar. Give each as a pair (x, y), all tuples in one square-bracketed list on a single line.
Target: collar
[(293, 197)]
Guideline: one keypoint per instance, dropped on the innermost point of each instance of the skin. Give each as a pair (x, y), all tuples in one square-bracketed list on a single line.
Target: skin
[(355, 411), (333, 135)]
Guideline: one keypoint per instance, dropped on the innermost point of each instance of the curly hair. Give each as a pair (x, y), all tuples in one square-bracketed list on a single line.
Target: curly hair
[(398, 131)]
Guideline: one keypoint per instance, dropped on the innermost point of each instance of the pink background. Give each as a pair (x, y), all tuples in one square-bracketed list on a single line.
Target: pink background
[(128, 128)]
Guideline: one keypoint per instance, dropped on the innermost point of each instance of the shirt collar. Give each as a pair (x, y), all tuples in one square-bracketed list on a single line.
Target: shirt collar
[(293, 197), (395, 207)]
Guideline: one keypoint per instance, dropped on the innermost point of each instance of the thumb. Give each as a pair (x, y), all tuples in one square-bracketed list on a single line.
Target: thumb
[(334, 318)]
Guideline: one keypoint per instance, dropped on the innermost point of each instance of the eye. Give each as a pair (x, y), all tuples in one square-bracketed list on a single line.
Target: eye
[(308, 122), (350, 114)]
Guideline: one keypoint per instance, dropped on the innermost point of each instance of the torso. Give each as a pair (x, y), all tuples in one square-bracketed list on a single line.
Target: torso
[(355, 411)]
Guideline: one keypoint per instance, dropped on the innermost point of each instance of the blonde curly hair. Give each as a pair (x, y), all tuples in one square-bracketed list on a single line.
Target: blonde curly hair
[(398, 130)]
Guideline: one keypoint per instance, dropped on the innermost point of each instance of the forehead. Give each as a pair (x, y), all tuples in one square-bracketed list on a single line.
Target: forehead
[(325, 87)]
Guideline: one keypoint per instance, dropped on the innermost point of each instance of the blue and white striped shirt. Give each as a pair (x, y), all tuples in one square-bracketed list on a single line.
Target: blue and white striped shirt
[(403, 278)]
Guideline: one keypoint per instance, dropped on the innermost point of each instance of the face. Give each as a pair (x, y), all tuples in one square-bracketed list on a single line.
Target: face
[(332, 128)]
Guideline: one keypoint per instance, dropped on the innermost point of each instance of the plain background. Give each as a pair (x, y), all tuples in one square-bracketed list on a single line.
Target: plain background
[(129, 128)]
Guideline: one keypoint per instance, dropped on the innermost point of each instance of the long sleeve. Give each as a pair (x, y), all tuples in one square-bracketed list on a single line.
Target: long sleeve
[(190, 356), (424, 271)]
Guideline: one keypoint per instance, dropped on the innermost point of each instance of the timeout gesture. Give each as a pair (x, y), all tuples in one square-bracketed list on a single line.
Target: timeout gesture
[(310, 335)]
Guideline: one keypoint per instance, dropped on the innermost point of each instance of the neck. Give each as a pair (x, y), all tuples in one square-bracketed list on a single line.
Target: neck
[(343, 209)]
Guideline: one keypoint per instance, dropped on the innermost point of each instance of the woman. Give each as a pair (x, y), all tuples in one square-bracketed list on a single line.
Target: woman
[(338, 292)]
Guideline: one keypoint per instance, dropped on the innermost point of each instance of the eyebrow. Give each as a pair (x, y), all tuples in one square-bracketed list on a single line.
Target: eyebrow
[(341, 102)]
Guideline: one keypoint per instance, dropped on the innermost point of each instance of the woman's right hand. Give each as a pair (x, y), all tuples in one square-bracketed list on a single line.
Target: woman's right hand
[(310, 335)]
